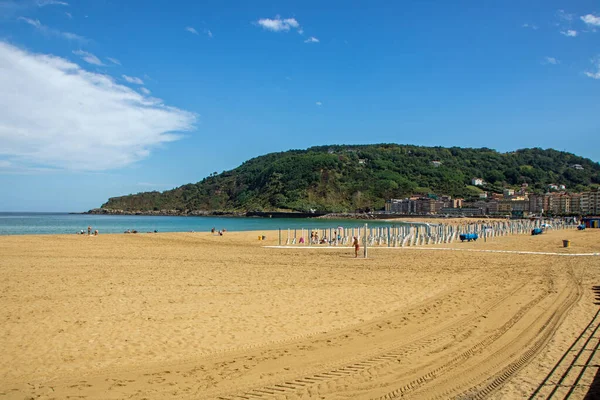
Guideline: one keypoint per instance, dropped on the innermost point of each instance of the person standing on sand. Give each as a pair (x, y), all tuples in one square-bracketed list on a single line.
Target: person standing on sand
[(356, 246), (89, 230)]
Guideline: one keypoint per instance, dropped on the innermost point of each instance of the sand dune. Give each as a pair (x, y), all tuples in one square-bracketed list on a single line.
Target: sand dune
[(193, 315)]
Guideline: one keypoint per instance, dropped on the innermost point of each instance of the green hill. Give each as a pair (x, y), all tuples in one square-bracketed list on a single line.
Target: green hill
[(346, 178)]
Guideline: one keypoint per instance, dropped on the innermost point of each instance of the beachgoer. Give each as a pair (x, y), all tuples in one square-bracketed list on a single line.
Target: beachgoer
[(212, 230), (301, 240), (356, 246), (89, 230), (220, 233), (96, 232)]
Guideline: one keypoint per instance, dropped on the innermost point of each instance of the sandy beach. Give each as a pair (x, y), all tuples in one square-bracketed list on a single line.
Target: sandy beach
[(199, 316)]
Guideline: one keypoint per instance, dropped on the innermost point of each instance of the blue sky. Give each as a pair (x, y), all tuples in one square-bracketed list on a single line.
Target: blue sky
[(104, 98)]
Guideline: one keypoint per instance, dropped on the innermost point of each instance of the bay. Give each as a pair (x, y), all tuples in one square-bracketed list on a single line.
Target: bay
[(64, 223)]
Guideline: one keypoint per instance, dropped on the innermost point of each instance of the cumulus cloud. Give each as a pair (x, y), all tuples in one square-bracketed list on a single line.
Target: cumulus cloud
[(191, 30), (88, 57), (133, 79), (596, 74), (50, 31), (530, 26), (42, 3), (312, 39), (145, 91), (53, 113), (569, 33), (279, 25), (563, 15), (591, 19)]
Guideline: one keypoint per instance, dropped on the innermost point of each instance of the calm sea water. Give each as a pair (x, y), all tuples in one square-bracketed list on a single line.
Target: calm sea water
[(52, 223)]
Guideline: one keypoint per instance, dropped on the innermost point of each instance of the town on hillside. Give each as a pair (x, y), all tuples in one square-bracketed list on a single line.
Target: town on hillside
[(557, 201)]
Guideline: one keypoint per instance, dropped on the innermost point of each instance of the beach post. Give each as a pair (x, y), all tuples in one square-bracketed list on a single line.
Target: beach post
[(280, 236), (366, 240)]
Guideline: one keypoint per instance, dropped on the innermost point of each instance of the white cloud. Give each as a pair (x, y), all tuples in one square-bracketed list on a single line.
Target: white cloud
[(50, 31), (319, 103), (33, 22), (42, 3), (594, 75), (279, 25), (133, 79), (88, 57), (591, 20), (534, 27), (312, 39), (69, 15), (145, 91), (53, 113), (291, 22), (208, 32), (191, 30), (562, 14), (113, 60), (551, 60), (569, 33)]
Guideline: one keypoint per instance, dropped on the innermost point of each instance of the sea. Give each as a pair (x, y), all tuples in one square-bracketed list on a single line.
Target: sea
[(65, 223)]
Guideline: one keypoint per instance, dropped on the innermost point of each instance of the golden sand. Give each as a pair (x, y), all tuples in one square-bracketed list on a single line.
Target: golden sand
[(192, 315)]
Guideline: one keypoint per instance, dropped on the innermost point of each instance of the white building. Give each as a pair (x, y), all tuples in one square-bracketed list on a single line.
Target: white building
[(477, 182)]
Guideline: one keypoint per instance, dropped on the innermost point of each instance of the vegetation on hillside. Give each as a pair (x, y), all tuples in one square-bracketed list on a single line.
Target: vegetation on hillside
[(348, 178)]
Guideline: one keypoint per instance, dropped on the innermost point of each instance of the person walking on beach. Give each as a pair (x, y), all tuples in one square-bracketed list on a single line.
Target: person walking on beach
[(356, 246)]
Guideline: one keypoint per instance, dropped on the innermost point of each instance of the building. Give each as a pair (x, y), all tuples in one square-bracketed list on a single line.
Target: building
[(536, 203), (397, 206), (468, 211), (416, 205), (514, 206), (457, 203), (483, 195), (590, 202), (576, 166), (436, 163), (477, 182), (508, 192), (576, 203)]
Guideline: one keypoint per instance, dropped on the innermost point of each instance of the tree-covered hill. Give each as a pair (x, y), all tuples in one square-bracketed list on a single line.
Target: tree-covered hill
[(346, 178)]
